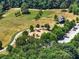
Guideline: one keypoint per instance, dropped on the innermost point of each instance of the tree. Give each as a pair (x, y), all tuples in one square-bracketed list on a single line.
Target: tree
[(1, 8), (77, 19), (24, 8), (39, 15), (77, 11), (65, 29), (70, 8), (1, 11), (21, 41), (75, 41), (42, 4), (77, 53), (31, 28), (1, 45), (45, 36), (59, 32), (71, 49), (53, 37), (61, 55), (9, 48), (69, 25), (25, 33), (6, 5), (56, 17), (37, 25), (63, 5), (47, 26), (75, 8), (54, 53), (17, 14)]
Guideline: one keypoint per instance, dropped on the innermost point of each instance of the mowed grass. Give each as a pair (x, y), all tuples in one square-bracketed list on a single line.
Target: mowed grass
[(11, 24)]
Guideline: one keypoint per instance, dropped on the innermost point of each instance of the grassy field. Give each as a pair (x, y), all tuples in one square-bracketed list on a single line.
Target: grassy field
[(11, 24)]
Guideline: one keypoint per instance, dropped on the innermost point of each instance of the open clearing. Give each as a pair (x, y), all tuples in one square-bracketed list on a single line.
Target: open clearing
[(11, 24)]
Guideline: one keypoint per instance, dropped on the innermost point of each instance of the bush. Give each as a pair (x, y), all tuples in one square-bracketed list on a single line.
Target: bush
[(31, 28), (24, 8), (9, 48), (1, 45), (77, 20), (21, 41), (38, 15), (56, 17), (17, 14), (37, 25), (64, 10), (47, 26), (25, 33)]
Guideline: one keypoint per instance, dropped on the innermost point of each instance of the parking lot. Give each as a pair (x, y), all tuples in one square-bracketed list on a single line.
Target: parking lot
[(70, 35)]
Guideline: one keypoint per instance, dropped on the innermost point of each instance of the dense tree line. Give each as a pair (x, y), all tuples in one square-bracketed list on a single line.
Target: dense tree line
[(73, 5), (74, 8), (39, 4)]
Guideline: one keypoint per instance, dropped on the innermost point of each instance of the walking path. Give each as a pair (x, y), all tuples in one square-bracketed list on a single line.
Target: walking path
[(69, 36), (13, 42)]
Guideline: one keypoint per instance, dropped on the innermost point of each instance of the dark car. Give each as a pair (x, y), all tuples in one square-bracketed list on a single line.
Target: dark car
[(65, 36), (75, 28)]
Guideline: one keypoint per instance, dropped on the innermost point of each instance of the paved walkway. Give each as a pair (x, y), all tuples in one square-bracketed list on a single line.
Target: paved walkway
[(13, 42), (74, 31)]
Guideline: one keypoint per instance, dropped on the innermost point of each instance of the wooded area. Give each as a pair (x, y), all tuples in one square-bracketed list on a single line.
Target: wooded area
[(73, 5)]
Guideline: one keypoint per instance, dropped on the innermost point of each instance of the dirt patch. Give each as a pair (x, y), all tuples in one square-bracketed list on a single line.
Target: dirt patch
[(67, 15)]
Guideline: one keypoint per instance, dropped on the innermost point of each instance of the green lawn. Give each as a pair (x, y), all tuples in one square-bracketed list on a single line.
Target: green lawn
[(47, 13), (33, 13)]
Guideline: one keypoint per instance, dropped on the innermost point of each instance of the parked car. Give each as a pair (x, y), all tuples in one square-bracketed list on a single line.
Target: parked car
[(75, 28), (65, 36)]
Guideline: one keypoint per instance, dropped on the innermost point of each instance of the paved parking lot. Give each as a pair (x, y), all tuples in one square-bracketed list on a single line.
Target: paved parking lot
[(71, 34)]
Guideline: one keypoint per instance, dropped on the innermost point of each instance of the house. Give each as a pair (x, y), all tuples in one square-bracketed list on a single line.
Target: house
[(61, 19)]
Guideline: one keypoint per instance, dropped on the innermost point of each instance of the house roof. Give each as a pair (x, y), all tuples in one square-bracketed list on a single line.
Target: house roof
[(61, 18)]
